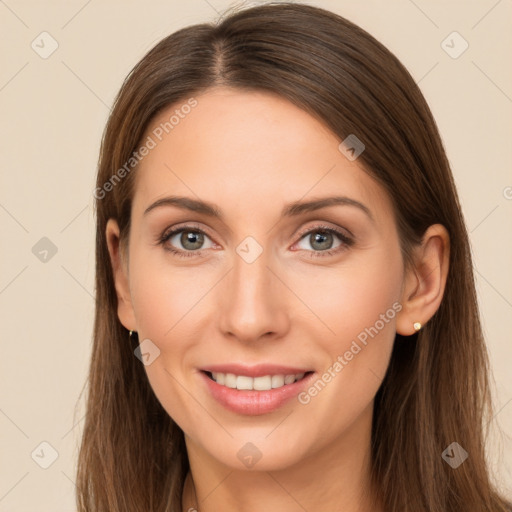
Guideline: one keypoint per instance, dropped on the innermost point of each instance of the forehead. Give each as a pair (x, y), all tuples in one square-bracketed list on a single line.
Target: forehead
[(247, 150)]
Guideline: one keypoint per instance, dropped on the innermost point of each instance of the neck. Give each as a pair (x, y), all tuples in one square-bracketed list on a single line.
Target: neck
[(335, 477)]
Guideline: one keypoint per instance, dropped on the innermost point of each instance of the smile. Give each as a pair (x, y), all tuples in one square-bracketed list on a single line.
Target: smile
[(263, 383), (254, 395)]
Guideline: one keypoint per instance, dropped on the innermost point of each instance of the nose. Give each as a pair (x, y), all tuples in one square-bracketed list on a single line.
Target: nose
[(253, 302)]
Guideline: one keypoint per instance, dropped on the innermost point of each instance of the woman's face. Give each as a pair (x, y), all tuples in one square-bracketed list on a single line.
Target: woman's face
[(260, 285)]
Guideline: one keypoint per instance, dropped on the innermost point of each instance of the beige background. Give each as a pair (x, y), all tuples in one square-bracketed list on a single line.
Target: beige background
[(53, 114)]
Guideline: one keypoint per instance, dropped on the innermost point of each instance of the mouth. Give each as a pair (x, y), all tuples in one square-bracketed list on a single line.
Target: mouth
[(260, 383), (266, 389)]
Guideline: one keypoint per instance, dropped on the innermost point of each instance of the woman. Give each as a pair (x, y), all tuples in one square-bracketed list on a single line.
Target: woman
[(286, 315)]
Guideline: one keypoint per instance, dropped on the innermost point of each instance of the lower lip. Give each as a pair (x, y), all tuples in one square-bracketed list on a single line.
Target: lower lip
[(250, 402)]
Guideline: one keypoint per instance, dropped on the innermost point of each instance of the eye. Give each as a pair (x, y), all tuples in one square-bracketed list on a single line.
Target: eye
[(191, 240), (322, 240), (188, 241)]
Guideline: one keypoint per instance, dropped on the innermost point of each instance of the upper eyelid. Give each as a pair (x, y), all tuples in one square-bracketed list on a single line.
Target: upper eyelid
[(335, 230), (188, 226)]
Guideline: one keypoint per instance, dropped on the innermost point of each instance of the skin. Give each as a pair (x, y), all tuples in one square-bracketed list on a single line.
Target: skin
[(250, 153)]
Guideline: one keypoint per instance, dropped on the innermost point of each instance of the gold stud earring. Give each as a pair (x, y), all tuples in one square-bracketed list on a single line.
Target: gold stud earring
[(417, 326)]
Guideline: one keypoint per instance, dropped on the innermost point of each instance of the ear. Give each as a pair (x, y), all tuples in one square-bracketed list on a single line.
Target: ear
[(424, 284), (120, 270)]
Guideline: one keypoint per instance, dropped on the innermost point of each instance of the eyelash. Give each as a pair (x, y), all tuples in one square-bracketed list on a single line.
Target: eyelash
[(346, 241)]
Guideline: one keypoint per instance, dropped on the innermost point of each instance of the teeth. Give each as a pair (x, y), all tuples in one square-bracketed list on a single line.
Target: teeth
[(277, 381), (230, 380), (289, 379), (263, 383), (243, 382)]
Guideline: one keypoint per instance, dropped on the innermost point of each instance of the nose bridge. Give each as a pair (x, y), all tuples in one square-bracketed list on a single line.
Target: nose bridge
[(252, 305)]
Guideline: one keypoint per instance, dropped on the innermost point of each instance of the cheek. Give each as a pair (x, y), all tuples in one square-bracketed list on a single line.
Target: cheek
[(153, 303), (165, 301), (354, 296), (358, 302), (165, 297), (371, 314)]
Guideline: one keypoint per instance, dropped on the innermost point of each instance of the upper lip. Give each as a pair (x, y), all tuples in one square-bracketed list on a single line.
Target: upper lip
[(258, 370)]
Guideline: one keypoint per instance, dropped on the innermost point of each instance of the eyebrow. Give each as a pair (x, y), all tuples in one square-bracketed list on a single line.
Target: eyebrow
[(290, 210)]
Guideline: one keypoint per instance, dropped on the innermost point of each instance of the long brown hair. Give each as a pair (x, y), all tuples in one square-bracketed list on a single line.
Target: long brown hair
[(436, 390)]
